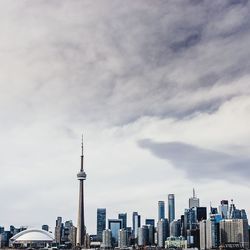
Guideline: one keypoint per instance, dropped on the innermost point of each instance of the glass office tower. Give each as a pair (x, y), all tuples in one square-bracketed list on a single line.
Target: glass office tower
[(171, 208)]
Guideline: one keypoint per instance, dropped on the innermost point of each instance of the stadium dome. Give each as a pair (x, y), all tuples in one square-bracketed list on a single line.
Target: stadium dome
[(32, 238)]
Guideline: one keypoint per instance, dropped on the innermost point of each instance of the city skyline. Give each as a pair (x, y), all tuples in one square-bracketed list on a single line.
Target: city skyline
[(142, 218), (161, 92)]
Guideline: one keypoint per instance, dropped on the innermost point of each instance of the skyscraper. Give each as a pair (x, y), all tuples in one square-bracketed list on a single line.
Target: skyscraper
[(200, 213), (151, 234), (223, 209), (171, 208), (203, 235), (150, 222), (123, 217), (81, 231), (161, 233), (194, 201), (175, 228), (234, 230), (106, 239), (114, 225), (136, 223), (58, 229), (122, 238), (101, 222), (143, 235), (161, 210)]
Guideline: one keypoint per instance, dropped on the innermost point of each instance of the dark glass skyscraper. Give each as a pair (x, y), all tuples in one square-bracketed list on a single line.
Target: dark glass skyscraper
[(150, 222), (101, 222), (161, 210), (200, 213), (171, 208), (123, 217)]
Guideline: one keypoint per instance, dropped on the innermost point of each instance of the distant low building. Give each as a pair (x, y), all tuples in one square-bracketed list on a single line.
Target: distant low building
[(176, 242)]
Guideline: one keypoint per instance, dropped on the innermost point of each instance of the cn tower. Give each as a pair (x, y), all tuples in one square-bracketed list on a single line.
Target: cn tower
[(81, 231)]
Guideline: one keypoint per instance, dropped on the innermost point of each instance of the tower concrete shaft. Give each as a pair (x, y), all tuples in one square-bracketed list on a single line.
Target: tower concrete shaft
[(81, 231)]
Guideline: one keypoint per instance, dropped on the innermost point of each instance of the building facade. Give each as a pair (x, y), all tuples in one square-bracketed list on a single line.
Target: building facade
[(161, 233), (161, 210), (194, 201), (114, 225), (123, 217), (234, 230), (106, 239), (122, 238), (136, 223), (171, 207), (101, 222)]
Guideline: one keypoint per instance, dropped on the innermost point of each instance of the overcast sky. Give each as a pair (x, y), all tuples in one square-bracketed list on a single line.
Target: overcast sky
[(160, 90)]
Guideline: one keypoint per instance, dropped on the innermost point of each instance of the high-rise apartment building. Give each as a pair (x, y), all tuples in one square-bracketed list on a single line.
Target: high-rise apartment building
[(143, 235), (58, 230), (203, 235), (171, 207), (161, 233), (122, 238), (101, 222), (106, 239)]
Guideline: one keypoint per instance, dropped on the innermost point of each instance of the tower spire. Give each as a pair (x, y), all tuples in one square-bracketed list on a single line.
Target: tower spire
[(82, 144), (193, 193), (82, 155)]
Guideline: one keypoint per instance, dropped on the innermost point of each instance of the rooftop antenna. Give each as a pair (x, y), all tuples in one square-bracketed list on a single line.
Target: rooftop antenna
[(82, 155)]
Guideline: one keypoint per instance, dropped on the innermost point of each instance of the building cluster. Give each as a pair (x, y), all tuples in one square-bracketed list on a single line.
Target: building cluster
[(222, 227), (5, 235), (65, 234)]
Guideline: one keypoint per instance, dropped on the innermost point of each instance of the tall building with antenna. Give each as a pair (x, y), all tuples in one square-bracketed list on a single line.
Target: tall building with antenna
[(81, 231), (194, 201)]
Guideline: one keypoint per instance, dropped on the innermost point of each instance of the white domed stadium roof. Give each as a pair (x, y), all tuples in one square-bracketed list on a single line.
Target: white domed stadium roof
[(32, 235)]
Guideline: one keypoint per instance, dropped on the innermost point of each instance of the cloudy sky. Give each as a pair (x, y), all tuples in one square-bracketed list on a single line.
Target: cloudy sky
[(160, 90)]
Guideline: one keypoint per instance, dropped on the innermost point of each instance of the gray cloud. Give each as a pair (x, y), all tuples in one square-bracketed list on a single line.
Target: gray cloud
[(200, 163), (140, 59)]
